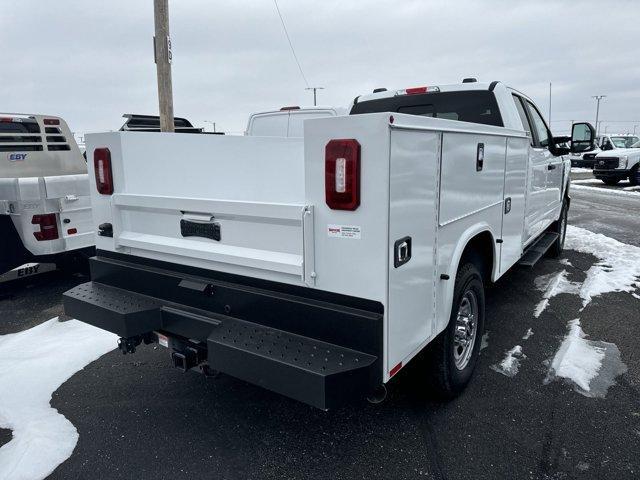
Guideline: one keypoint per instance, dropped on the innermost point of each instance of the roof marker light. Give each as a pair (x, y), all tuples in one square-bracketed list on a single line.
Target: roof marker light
[(417, 90)]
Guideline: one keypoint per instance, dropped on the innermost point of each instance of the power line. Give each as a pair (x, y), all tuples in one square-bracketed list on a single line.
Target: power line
[(275, 2)]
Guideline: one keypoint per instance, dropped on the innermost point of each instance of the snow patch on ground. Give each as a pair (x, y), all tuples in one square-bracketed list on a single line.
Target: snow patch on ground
[(635, 188), (618, 269), (33, 364), (608, 191), (565, 261), (527, 335), (553, 284), (591, 366), (511, 362)]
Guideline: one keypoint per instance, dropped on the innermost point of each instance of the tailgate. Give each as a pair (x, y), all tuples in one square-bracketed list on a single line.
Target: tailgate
[(233, 204), (71, 193)]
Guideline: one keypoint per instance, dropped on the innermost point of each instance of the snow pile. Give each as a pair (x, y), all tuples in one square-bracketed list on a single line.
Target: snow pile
[(591, 366), (33, 364), (618, 269), (511, 362), (553, 284), (527, 335)]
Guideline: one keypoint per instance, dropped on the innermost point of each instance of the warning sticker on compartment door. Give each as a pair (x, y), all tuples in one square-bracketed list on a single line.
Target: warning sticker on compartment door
[(344, 231)]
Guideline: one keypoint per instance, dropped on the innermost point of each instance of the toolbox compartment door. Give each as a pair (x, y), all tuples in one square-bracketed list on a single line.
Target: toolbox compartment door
[(414, 173)]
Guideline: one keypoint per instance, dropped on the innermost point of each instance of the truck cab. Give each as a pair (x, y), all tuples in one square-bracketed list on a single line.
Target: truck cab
[(45, 211), (318, 266), (497, 105)]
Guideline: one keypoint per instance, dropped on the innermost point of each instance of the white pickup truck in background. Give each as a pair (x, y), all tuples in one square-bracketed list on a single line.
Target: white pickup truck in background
[(620, 163), (45, 207), (288, 121), (319, 266)]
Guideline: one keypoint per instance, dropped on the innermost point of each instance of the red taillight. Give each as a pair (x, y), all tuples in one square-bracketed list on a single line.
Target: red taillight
[(72, 231), (51, 121), (48, 226), (342, 174), (6, 120), (102, 167)]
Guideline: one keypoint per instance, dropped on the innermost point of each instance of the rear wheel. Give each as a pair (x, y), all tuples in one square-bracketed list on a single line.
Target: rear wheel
[(611, 181), (455, 351)]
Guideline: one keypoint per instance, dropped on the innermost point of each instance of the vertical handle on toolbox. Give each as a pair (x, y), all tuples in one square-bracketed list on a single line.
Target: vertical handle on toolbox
[(480, 157)]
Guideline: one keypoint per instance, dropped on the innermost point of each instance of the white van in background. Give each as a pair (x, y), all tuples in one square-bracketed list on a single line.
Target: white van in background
[(288, 121), (45, 209)]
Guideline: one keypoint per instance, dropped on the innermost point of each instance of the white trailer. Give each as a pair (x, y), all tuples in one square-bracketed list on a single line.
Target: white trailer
[(45, 207), (318, 267)]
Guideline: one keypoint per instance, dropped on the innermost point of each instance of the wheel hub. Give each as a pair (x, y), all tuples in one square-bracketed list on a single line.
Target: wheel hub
[(464, 338)]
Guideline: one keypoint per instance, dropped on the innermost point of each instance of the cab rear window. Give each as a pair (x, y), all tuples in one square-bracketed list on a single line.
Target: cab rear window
[(475, 106)]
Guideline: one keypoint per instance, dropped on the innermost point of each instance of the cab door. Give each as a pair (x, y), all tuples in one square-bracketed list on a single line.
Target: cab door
[(555, 164), (536, 186)]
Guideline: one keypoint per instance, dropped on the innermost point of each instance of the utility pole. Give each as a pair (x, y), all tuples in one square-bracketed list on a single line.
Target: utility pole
[(598, 98), (162, 52), (212, 123), (634, 129), (314, 93)]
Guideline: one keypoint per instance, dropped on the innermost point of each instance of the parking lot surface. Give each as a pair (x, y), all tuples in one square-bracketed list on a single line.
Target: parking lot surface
[(139, 418)]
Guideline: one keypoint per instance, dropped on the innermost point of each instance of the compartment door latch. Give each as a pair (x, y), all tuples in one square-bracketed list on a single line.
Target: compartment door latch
[(402, 251)]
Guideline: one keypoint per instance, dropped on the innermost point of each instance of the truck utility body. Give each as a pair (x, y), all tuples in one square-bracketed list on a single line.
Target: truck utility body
[(317, 267), (45, 210)]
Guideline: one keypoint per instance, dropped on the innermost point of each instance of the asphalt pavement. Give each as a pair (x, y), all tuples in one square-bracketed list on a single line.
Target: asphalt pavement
[(139, 418)]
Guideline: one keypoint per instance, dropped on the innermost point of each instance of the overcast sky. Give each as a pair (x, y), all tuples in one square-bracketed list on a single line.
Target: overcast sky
[(92, 61)]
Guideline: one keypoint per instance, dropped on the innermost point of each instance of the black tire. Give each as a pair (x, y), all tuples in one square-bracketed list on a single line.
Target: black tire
[(634, 176), (560, 227), (447, 379), (611, 181)]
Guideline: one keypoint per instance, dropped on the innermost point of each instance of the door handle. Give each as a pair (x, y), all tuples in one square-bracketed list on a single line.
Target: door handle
[(551, 167)]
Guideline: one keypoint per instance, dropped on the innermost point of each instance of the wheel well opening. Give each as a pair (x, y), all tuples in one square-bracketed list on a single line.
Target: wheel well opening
[(479, 250)]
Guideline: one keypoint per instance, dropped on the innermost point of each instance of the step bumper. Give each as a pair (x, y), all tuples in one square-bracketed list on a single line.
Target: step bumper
[(316, 372)]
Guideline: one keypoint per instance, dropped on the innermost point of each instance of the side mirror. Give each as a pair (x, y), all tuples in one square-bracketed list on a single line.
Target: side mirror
[(582, 137)]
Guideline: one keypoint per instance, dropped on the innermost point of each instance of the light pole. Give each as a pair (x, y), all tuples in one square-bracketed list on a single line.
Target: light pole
[(162, 52), (212, 123), (598, 98), (314, 93), (634, 129), (549, 104)]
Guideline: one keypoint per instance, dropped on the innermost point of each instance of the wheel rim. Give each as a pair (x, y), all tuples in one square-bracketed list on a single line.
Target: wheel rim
[(464, 338)]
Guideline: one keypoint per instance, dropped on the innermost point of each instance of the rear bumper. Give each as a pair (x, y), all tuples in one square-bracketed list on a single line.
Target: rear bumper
[(316, 347)]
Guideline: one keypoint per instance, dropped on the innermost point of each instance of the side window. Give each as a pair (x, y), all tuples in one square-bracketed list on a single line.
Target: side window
[(540, 127), (523, 115)]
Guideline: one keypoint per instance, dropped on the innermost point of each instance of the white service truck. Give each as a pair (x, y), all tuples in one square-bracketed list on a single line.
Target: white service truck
[(45, 206), (620, 163), (318, 267)]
